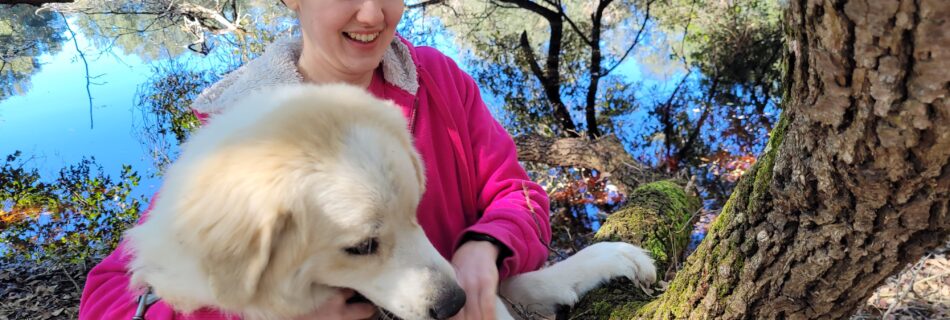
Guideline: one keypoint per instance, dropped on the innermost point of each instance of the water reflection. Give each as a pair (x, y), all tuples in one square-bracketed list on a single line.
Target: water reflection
[(24, 36)]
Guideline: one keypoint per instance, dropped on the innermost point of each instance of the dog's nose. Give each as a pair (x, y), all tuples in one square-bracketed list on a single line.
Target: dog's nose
[(450, 301)]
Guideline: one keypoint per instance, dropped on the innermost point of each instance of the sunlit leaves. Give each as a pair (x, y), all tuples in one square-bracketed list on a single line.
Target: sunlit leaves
[(79, 214), (164, 103)]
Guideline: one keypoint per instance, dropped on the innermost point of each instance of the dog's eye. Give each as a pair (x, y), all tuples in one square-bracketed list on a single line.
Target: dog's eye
[(365, 248)]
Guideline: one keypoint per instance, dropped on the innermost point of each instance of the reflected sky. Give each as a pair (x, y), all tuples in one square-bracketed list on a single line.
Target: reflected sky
[(50, 123)]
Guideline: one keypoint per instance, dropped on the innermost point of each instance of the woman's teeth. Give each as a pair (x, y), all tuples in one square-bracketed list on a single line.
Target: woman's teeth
[(362, 37)]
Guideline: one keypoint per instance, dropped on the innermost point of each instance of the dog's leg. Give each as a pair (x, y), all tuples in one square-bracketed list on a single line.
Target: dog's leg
[(563, 284)]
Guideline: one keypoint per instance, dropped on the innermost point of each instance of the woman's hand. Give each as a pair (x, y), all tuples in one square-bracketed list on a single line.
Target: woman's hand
[(336, 308), (477, 273)]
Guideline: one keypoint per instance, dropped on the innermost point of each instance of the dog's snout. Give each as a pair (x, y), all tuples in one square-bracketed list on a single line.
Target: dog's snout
[(448, 302)]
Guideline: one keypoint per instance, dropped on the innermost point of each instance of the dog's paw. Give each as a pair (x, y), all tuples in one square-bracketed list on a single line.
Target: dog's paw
[(620, 259)]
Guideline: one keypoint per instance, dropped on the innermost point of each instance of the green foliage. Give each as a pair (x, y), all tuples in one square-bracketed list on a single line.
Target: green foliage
[(165, 105), (80, 214)]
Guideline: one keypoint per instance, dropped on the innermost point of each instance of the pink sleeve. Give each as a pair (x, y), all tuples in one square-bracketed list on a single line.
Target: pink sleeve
[(513, 208), (107, 295)]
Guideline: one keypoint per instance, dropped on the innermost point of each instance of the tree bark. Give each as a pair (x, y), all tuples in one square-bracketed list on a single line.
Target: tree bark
[(854, 182), (853, 185)]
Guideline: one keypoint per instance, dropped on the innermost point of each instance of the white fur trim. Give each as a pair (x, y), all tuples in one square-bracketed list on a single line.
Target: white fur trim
[(278, 66)]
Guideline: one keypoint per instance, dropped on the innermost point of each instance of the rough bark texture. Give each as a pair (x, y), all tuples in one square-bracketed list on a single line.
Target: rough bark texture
[(605, 154), (855, 181)]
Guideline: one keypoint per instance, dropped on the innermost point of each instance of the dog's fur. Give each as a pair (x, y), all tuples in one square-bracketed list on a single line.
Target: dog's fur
[(304, 189)]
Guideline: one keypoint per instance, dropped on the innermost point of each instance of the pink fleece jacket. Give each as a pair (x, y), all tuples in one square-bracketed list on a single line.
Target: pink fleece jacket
[(474, 183)]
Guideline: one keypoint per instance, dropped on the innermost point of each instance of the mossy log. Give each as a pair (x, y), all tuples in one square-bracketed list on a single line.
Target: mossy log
[(658, 218)]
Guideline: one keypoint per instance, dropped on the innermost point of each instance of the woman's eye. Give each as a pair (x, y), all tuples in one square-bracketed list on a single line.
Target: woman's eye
[(367, 247)]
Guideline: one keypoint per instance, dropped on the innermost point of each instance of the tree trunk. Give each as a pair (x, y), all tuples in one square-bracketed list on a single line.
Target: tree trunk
[(855, 181)]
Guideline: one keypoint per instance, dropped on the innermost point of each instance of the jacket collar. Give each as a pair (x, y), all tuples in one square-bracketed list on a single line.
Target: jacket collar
[(278, 66)]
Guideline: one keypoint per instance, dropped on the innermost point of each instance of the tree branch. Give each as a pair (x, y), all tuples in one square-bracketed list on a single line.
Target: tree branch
[(532, 60), (85, 64), (605, 154), (424, 4), (550, 78), (35, 3), (595, 57), (636, 40), (694, 135)]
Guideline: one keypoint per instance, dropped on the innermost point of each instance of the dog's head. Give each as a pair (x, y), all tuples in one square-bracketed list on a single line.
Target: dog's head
[(288, 195)]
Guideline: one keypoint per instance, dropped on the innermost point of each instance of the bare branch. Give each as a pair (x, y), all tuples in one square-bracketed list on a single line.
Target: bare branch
[(636, 40), (35, 3), (85, 64), (424, 4), (595, 58), (532, 60), (551, 77), (694, 134), (574, 26), (605, 154)]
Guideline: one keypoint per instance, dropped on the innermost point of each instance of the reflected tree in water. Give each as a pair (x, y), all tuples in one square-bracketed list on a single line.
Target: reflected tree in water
[(79, 214), (24, 37), (164, 103), (555, 69), (154, 29)]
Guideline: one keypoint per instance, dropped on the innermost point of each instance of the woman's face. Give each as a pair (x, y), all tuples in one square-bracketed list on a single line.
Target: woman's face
[(347, 36)]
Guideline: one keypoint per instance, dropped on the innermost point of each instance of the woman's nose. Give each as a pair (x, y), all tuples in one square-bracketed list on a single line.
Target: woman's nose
[(370, 13)]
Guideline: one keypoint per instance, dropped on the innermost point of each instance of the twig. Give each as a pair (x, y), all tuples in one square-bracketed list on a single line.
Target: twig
[(75, 284), (904, 292)]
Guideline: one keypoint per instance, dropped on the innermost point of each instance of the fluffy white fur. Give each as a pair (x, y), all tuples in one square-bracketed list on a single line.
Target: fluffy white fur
[(257, 215)]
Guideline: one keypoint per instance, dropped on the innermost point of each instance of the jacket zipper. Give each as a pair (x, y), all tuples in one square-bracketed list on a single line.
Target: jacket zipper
[(412, 115)]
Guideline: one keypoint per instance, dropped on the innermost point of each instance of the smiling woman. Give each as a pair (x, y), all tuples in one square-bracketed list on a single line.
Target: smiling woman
[(345, 40), (480, 210)]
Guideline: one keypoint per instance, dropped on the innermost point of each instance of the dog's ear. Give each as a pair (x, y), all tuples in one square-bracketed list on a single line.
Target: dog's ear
[(420, 170), (239, 273), (235, 246)]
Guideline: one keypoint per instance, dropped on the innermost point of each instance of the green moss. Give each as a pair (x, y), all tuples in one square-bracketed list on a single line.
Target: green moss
[(656, 214), (657, 219), (702, 271), (619, 299)]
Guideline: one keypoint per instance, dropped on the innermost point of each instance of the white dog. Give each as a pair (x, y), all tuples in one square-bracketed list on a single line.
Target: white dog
[(304, 189)]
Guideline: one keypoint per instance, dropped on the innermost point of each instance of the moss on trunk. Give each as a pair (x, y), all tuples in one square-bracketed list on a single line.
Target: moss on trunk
[(699, 280)]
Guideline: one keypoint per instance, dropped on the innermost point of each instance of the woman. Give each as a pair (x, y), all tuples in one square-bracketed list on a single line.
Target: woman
[(480, 210)]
